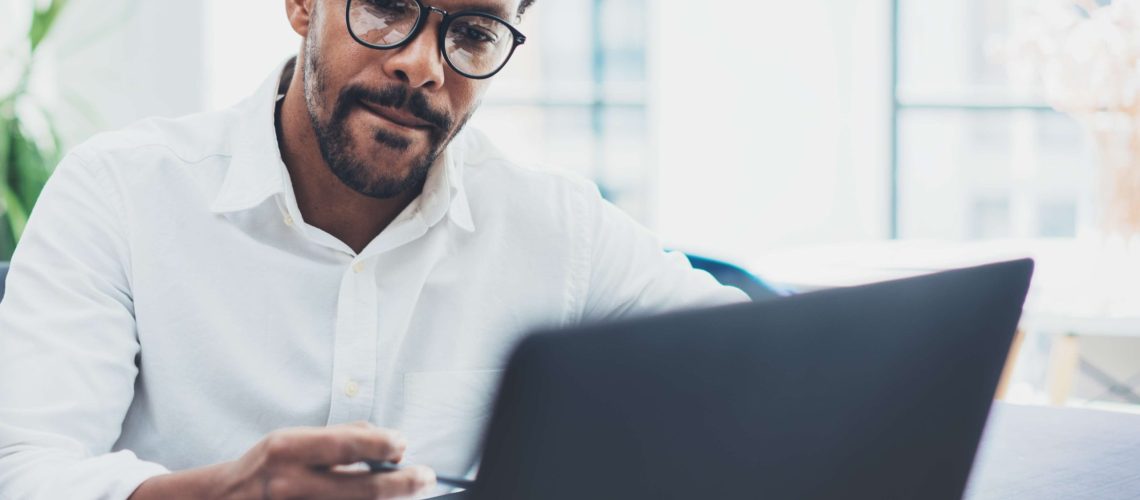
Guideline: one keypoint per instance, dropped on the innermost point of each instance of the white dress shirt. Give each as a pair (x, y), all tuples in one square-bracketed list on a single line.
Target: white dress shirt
[(168, 305)]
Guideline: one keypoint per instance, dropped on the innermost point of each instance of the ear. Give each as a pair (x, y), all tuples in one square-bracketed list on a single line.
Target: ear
[(300, 14)]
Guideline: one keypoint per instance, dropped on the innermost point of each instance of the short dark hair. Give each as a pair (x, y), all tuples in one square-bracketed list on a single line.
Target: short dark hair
[(524, 6)]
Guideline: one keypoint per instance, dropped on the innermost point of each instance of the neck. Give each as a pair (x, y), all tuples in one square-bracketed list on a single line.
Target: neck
[(325, 202)]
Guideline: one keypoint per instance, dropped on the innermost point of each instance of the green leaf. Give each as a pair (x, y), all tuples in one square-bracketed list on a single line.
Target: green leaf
[(7, 240), (6, 125), (12, 224), (29, 169), (26, 168), (15, 213), (7, 233), (42, 20)]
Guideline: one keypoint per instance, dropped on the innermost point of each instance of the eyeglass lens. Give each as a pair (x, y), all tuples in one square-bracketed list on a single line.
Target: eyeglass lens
[(473, 44)]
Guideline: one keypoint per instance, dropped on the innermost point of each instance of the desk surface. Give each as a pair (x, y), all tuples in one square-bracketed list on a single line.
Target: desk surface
[(1051, 453), (1046, 452)]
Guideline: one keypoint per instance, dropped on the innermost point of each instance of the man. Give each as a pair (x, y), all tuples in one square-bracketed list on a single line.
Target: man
[(331, 271)]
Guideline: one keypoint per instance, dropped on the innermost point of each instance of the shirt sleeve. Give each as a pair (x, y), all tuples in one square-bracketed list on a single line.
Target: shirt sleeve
[(68, 346), (631, 273)]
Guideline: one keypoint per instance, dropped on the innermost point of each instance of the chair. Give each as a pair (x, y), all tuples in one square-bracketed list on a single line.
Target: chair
[(733, 275), (3, 276)]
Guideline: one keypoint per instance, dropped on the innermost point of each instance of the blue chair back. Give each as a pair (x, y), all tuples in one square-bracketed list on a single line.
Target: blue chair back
[(3, 277), (733, 275)]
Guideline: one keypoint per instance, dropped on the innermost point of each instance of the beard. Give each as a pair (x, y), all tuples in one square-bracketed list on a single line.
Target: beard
[(364, 175)]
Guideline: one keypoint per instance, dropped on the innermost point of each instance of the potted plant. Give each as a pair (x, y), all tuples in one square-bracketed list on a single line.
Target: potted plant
[(29, 141)]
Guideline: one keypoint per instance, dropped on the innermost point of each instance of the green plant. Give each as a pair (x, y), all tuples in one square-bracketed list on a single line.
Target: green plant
[(29, 141)]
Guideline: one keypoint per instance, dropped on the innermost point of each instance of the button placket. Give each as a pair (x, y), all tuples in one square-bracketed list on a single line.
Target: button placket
[(354, 350)]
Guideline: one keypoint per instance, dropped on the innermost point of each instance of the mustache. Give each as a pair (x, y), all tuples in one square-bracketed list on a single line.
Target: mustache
[(398, 97)]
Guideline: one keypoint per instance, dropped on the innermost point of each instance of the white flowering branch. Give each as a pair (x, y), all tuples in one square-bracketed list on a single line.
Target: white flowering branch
[(1087, 59)]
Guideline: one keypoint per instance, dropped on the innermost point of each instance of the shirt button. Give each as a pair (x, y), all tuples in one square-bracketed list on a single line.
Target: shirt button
[(288, 220), (351, 389), (358, 267)]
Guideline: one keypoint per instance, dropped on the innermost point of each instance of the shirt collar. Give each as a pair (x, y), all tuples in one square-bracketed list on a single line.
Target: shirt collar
[(257, 172), (443, 192)]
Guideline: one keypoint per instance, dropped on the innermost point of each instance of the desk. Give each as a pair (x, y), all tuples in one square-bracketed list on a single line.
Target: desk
[(1046, 452), (1041, 453), (1080, 288)]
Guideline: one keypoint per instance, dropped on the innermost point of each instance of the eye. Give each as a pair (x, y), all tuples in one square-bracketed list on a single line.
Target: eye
[(469, 33)]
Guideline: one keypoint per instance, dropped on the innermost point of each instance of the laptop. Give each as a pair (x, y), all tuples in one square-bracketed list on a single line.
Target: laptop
[(877, 391)]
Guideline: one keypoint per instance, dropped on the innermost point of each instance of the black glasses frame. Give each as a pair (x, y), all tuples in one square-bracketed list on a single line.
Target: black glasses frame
[(426, 10)]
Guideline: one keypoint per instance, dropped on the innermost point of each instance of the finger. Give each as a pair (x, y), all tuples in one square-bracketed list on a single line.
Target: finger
[(364, 424), (407, 482), (335, 445), (360, 424)]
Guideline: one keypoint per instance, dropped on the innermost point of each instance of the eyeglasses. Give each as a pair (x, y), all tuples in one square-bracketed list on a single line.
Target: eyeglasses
[(475, 44)]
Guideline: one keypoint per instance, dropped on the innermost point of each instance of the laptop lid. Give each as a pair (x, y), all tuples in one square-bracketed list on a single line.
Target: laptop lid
[(877, 391)]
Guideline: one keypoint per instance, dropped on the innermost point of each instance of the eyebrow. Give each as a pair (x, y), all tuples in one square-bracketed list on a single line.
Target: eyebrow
[(496, 11)]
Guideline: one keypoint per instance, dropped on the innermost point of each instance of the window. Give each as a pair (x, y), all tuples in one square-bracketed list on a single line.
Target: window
[(573, 97), (977, 153)]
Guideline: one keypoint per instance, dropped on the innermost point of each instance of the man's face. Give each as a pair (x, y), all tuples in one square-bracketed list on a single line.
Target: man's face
[(382, 117)]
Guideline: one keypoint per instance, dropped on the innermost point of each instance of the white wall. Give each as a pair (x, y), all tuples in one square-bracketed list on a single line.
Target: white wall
[(774, 131), (125, 60), (244, 42)]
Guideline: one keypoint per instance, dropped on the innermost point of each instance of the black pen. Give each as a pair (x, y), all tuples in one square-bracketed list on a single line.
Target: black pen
[(374, 466)]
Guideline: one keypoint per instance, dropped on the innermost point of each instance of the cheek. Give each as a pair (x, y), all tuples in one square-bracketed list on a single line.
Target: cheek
[(466, 95)]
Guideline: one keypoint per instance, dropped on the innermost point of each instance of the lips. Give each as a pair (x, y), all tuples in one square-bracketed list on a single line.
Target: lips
[(396, 117)]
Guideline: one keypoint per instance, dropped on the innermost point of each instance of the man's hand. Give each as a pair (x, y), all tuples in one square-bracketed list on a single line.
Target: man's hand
[(301, 463)]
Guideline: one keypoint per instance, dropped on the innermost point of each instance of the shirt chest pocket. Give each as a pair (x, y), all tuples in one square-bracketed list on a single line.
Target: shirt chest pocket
[(444, 417)]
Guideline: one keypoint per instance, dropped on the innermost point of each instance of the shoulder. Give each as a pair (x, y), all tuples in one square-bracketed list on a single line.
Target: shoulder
[(162, 141), (161, 159), (492, 177)]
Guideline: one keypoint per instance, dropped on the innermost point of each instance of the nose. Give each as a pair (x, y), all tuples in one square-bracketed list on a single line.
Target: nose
[(419, 64)]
